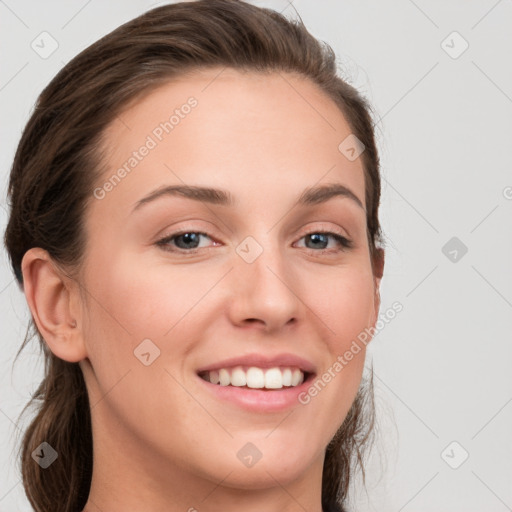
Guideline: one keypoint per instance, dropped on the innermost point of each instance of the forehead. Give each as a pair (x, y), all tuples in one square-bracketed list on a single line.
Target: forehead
[(227, 128)]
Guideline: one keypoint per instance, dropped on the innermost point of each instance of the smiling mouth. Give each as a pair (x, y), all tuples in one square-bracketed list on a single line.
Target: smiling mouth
[(261, 379)]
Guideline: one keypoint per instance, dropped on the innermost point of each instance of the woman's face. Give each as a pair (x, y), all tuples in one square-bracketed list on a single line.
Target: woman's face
[(253, 277)]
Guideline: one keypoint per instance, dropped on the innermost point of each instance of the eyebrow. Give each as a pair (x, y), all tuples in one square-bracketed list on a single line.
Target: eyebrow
[(310, 196)]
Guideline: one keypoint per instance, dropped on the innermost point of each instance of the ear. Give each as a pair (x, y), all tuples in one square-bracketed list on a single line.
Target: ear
[(54, 300)]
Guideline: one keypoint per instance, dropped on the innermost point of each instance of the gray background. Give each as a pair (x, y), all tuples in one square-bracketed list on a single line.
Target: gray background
[(442, 365)]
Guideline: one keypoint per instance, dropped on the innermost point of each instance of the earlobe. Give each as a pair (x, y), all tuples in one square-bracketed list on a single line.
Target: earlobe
[(51, 298)]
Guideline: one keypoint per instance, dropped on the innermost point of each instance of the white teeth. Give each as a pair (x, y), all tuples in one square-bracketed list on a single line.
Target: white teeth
[(224, 377), (297, 377), (287, 377), (238, 377), (273, 378), (256, 378)]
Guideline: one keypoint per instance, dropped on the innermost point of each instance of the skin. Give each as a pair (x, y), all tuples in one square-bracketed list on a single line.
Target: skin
[(161, 443)]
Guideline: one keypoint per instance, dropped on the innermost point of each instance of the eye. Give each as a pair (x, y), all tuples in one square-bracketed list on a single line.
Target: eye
[(187, 241), (320, 241)]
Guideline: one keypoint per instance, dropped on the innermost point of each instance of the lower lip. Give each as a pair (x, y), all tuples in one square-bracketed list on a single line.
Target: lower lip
[(257, 400)]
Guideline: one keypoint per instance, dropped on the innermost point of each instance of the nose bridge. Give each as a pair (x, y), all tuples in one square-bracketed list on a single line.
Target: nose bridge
[(264, 288)]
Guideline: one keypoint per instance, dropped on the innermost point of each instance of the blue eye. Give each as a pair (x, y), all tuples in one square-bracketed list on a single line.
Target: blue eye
[(188, 241), (319, 238), (185, 240)]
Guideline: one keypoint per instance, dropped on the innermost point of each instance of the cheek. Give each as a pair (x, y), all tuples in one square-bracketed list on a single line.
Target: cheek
[(344, 305), (130, 301), (344, 302), (128, 304), (123, 308), (142, 302)]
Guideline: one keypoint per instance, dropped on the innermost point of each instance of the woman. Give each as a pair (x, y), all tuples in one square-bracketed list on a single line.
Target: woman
[(194, 223)]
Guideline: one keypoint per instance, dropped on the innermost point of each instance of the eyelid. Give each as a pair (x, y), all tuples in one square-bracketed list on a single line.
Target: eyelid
[(188, 228), (318, 228), (325, 227)]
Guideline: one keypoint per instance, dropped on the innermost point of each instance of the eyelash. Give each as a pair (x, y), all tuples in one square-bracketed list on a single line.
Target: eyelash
[(344, 242)]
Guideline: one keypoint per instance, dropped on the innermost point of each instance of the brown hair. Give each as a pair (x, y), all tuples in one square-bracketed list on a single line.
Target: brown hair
[(58, 161)]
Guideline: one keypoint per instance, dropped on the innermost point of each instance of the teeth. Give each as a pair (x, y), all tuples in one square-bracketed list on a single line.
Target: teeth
[(273, 378), (297, 377), (287, 377), (256, 378), (224, 377), (238, 377), (214, 377)]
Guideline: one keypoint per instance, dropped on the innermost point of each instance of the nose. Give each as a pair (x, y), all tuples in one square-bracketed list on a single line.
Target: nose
[(265, 292)]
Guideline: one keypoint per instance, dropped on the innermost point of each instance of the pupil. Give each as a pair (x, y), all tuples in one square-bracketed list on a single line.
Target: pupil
[(189, 238), (314, 237)]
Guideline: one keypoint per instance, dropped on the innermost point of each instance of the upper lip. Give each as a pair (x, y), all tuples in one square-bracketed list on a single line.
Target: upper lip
[(262, 361)]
